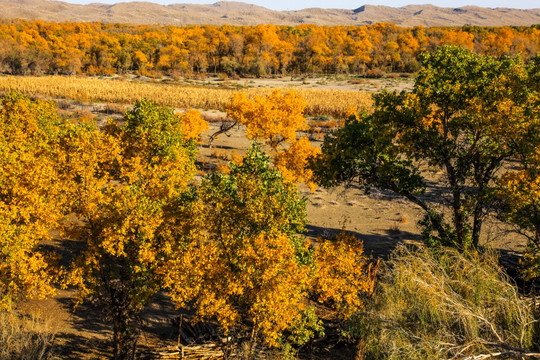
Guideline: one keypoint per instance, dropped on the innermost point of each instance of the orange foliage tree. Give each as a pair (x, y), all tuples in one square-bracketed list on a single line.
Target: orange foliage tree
[(32, 196), (276, 119), (124, 180), (249, 269)]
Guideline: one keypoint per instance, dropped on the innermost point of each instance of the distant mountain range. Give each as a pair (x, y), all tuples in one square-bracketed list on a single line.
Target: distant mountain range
[(238, 13)]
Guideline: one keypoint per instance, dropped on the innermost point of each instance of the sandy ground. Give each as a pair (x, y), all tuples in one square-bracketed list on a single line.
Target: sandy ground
[(331, 82), (390, 82)]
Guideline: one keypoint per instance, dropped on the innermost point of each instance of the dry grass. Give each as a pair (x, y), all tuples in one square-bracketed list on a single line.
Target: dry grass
[(394, 229), (221, 155), (440, 304), (24, 337), (319, 101)]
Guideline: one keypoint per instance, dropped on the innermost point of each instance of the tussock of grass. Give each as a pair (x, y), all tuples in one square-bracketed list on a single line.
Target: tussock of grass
[(440, 304), (24, 337)]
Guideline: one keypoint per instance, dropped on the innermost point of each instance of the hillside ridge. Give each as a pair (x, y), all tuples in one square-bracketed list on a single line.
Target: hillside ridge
[(239, 13)]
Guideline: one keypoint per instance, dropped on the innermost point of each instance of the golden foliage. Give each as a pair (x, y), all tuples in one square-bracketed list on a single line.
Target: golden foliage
[(31, 196), (275, 118), (257, 277), (240, 262), (229, 245), (193, 125), (244, 264), (342, 274), (123, 181), (520, 188), (39, 47), (293, 162), (125, 176), (520, 192)]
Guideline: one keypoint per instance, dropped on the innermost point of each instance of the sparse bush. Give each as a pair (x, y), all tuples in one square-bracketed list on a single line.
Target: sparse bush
[(440, 304), (394, 229), (24, 337), (374, 73)]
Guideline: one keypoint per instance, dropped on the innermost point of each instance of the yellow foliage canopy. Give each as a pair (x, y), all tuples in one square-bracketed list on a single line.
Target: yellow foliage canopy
[(31, 196), (275, 118), (342, 274), (193, 125), (293, 162), (260, 273)]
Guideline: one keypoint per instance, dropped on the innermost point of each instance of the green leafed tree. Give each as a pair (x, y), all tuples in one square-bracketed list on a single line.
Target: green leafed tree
[(466, 116)]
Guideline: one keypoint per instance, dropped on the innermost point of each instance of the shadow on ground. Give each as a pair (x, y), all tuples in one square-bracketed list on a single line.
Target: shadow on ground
[(374, 244)]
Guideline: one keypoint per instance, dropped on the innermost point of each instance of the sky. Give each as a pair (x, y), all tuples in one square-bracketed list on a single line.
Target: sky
[(348, 4)]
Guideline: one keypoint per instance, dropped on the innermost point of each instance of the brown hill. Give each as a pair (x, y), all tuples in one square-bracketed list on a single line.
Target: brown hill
[(237, 13)]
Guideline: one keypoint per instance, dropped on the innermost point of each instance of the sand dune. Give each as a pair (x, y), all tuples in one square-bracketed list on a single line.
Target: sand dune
[(237, 13)]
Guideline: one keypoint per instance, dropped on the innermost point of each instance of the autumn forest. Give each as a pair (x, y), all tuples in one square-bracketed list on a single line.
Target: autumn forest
[(37, 47), (145, 216)]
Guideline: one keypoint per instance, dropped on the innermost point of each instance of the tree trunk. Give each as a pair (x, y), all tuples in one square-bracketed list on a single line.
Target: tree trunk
[(124, 340), (477, 224), (459, 221)]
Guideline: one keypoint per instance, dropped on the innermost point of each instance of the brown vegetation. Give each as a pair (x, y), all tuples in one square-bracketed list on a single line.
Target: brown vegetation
[(36, 47), (442, 304), (24, 337), (319, 101)]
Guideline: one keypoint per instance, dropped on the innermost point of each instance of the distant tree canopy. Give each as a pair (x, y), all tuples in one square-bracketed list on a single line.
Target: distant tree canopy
[(37, 47), (466, 116)]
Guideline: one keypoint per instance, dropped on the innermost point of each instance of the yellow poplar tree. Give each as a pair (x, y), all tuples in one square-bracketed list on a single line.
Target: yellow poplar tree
[(31, 196), (240, 260), (192, 125), (246, 265), (293, 162), (124, 179), (276, 119)]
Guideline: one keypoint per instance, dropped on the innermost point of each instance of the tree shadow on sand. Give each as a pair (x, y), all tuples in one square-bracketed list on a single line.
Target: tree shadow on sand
[(374, 244)]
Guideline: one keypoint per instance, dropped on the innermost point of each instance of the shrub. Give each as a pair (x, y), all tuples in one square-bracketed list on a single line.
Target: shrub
[(374, 73), (438, 303), (24, 337)]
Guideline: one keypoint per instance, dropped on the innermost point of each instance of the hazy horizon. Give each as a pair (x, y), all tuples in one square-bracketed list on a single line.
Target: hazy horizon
[(340, 4)]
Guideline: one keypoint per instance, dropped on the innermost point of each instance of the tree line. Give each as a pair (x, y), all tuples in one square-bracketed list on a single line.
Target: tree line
[(38, 47)]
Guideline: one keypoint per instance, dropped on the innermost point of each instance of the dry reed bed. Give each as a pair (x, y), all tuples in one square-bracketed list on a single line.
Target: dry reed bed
[(442, 304), (24, 337), (319, 101)]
